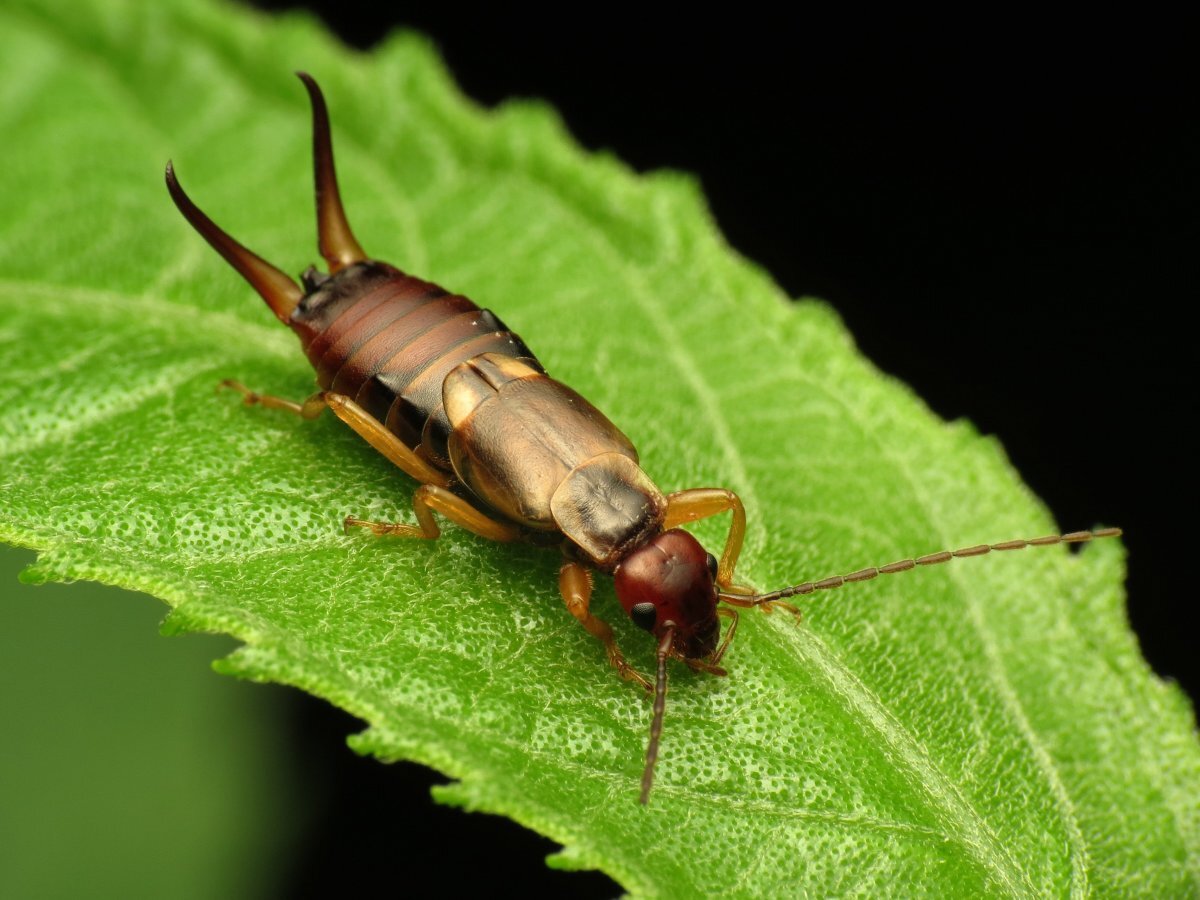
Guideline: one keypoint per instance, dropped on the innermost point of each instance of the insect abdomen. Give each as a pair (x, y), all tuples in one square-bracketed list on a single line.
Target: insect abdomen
[(388, 340)]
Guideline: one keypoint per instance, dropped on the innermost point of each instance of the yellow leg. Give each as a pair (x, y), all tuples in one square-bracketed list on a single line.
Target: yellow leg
[(309, 409), (700, 503), (767, 606), (374, 433), (430, 497), (575, 583), (364, 424)]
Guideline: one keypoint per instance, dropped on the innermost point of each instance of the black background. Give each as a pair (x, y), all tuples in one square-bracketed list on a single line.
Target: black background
[(1004, 214)]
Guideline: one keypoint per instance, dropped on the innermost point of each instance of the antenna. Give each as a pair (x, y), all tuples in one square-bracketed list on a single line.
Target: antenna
[(904, 565), (660, 705)]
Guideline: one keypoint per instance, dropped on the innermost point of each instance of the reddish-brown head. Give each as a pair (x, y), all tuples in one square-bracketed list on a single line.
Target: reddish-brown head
[(667, 585), (670, 579)]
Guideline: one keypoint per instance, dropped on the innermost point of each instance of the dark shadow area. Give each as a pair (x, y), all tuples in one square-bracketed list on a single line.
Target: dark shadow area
[(378, 830)]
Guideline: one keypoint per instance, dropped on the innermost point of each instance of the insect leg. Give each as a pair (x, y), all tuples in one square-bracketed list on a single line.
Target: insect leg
[(766, 606), (575, 583), (700, 503), (367, 426), (309, 409), (732, 616), (430, 497), (374, 433)]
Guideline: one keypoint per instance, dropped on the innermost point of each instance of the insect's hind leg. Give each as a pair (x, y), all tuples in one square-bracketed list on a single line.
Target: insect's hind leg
[(309, 409), (430, 497), (362, 422)]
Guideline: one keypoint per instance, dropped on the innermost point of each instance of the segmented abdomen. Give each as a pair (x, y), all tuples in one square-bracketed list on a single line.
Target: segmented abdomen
[(388, 340)]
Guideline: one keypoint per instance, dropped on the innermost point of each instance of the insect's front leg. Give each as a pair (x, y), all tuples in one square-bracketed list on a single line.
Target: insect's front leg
[(700, 503), (575, 584), (766, 606)]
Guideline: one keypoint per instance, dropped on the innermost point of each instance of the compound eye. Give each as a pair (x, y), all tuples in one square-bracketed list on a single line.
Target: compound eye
[(644, 616), (712, 566)]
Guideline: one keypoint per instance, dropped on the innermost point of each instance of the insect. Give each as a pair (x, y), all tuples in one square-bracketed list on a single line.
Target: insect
[(448, 393)]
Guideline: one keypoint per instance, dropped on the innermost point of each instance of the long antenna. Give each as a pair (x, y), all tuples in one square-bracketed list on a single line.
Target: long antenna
[(903, 565), (660, 705)]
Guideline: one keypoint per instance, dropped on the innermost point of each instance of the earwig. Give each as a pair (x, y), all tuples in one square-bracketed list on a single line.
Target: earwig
[(450, 395)]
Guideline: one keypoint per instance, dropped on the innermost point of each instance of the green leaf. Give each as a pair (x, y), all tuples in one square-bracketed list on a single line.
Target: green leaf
[(986, 727)]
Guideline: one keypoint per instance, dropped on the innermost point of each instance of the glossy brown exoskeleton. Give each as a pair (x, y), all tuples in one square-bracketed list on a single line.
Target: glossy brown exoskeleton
[(445, 391)]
